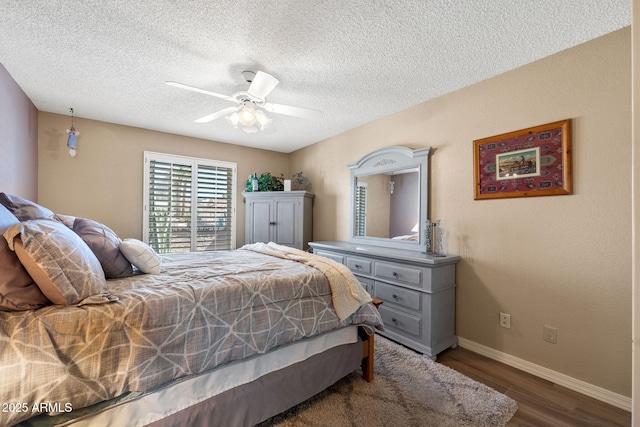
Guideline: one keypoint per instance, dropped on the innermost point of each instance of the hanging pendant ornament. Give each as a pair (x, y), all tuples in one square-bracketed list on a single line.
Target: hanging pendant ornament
[(71, 138)]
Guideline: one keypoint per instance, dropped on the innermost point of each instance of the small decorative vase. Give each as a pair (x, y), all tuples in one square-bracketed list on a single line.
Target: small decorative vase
[(433, 239)]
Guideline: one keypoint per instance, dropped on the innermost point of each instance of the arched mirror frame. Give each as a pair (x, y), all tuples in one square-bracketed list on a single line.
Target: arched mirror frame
[(388, 160)]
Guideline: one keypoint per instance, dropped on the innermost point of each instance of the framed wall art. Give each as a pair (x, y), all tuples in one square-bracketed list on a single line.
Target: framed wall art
[(530, 162)]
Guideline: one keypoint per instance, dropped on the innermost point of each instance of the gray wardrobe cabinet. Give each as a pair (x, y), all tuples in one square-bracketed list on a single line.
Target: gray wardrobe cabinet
[(283, 217)]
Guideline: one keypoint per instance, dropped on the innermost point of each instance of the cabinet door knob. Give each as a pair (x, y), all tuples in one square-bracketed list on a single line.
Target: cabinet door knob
[(272, 223)]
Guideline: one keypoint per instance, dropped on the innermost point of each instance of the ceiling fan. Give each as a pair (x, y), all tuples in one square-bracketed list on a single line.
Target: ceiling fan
[(251, 100)]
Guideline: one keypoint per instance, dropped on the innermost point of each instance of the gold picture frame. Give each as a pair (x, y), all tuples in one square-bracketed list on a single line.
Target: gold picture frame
[(525, 163)]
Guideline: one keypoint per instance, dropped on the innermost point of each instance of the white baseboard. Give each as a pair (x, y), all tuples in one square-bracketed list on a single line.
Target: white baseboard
[(609, 397)]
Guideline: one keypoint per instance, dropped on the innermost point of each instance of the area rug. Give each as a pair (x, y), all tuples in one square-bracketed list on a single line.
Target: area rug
[(408, 390)]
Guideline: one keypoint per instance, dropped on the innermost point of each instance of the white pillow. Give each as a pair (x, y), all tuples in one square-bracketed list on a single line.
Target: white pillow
[(141, 255)]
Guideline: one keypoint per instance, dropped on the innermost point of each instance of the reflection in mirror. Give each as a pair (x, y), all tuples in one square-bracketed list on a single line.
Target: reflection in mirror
[(389, 198), (388, 205)]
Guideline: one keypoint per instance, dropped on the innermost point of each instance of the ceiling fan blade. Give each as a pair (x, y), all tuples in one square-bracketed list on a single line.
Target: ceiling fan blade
[(195, 89), (262, 85), (218, 114), (289, 110)]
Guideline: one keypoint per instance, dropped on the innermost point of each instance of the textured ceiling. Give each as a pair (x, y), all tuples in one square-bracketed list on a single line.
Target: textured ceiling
[(355, 60)]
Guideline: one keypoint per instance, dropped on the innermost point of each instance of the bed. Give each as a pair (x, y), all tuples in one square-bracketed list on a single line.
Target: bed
[(209, 338)]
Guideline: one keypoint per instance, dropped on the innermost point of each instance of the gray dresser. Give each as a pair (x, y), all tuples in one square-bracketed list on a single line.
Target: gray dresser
[(284, 217), (418, 291)]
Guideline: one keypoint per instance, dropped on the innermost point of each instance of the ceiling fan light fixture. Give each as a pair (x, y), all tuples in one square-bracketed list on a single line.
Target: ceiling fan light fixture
[(249, 119), (233, 119), (247, 116), (263, 120)]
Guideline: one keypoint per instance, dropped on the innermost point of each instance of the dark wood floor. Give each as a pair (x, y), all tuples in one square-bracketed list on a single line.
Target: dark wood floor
[(540, 402)]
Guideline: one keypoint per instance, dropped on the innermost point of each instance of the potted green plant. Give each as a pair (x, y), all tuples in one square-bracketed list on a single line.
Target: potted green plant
[(266, 182)]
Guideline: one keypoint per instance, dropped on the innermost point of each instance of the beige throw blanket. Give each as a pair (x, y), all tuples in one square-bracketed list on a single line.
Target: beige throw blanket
[(347, 293)]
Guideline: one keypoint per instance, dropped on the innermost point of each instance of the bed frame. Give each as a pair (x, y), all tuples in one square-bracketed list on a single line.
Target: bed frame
[(367, 337), (278, 391)]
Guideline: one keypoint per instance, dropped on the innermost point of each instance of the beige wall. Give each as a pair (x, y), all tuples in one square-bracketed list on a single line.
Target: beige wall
[(18, 140), (636, 209), (104, 181), (563, 261)]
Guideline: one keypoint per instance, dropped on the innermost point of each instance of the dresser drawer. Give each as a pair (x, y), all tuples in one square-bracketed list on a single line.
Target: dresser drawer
[(359, 265), (397, 295), (399, 273), (404, 322), (366, 283), (418, 291), (333, 256)]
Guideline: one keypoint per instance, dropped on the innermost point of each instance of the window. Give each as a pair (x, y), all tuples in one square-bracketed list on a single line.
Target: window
[(189, 203), (361, 209)]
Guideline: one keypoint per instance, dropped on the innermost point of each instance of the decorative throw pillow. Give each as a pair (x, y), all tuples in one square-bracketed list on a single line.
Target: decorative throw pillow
[(104, 243), (65, 219), (18, 291), (62, 265), (141, 255), (24, 209)]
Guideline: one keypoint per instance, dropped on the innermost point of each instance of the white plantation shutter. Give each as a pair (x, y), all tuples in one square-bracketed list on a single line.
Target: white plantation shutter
[(214, 208), (189, 203), (169, 206), (361, 208)]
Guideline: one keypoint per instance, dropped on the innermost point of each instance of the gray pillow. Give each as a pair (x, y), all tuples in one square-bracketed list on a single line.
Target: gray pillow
[(104, 244), (24, 209), (61, 264), (18, 291)]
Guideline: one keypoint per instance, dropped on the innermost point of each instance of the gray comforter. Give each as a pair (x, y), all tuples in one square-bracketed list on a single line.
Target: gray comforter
[(203, 310)]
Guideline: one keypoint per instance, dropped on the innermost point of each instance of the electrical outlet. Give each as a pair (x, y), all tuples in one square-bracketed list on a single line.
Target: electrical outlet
[(505, 320), (550, 334)]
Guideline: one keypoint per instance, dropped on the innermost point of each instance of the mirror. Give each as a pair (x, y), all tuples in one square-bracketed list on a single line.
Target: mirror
[(389, 200), (393, 198)]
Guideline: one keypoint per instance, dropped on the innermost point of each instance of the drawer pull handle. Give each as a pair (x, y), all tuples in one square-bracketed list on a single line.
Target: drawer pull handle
[(272, 223), (358, 266), (394, 296), (393, 319), (395, 274)]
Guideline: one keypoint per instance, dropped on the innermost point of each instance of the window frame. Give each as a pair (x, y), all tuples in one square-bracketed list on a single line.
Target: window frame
[(193, 162)]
